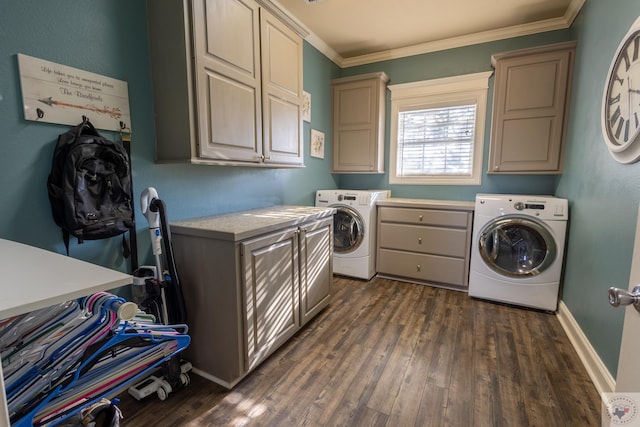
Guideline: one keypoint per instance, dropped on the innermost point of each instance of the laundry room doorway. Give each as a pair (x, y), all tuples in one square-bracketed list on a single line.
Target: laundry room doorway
[(628, 377), (627, 392)]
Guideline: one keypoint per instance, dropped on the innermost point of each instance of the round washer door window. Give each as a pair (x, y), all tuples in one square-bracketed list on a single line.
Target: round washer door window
[(517, 246), (348, 229)]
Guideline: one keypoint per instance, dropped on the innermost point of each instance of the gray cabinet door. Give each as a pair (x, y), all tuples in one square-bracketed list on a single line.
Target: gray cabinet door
[(282, 92), (316, 267), (270, 278), (530, 109), (359, 123), (228, 86)]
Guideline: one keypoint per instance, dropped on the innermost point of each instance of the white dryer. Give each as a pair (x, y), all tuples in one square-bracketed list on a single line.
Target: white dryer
[(354, 229), (518, 249)]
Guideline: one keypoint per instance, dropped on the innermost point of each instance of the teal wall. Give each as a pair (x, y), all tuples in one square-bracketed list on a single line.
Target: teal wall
[(109, 37), (604, 194)]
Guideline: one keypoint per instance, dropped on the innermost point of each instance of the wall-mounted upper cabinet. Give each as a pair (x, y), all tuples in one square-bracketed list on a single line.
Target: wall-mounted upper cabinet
[(227, 81), (358, 123), (530, 109)]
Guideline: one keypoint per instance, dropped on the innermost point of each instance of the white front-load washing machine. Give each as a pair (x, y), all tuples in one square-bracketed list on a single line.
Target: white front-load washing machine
[(518, 249), (354, 229)]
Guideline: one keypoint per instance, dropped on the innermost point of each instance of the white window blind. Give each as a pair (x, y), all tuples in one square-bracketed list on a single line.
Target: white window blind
[(436, 141), (437, 130)]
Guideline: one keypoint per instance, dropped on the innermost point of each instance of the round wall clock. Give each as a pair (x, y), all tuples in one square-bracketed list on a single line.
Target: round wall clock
[(621, 99)]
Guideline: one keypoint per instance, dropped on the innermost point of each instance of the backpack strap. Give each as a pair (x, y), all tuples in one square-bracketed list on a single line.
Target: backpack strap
[(126, 250), (65, 239)]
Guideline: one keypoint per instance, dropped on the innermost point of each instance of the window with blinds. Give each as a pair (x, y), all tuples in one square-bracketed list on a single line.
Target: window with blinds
[(437, 130), (436, 141)]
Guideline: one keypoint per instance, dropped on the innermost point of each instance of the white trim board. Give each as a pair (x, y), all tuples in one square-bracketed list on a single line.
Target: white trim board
[(596, 369)]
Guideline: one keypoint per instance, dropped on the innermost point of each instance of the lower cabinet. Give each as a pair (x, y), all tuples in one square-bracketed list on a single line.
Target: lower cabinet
[(246, 298), (424, 245)]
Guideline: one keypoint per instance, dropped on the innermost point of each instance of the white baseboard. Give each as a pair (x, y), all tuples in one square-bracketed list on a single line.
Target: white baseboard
[(597, 371)]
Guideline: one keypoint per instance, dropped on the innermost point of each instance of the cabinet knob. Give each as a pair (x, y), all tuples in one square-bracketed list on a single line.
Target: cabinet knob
[(420, 217), (496, 167), (418, 267), (419, 240)]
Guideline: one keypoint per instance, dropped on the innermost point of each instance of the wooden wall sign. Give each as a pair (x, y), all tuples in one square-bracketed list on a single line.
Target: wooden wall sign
[(55, 93)]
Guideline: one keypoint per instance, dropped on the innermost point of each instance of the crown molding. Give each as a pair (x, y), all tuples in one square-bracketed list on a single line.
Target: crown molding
[(285, 16), (325, 49), (461, 41), (572, 11), (560, 23)]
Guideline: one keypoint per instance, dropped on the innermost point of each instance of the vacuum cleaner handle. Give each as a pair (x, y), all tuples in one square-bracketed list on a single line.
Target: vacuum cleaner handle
[(150, 210)]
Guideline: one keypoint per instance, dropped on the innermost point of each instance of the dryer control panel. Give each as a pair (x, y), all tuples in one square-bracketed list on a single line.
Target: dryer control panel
[(364, 198), (521, 205), (543, 207)]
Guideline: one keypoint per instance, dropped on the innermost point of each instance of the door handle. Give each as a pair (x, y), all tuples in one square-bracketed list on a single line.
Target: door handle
[(618, 297)]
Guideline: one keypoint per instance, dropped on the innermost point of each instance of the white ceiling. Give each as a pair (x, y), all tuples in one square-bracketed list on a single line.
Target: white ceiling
[(353, 32)]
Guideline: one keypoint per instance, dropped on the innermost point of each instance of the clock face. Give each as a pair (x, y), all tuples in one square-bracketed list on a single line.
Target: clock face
[(622, 96)]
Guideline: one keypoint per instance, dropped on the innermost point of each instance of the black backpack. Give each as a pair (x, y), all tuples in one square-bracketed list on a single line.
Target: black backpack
[(90, 186)]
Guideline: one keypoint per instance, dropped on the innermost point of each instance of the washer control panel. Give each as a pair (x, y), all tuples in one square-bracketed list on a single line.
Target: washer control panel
[(521, 206), (364, 198), (543, 207)]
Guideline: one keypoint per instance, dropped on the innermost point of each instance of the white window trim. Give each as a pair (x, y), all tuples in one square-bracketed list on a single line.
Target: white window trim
[(470, 88)]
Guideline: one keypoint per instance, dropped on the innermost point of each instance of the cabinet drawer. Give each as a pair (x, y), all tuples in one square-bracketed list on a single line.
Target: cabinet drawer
[(424, 216), (429, 268), (424, 239)]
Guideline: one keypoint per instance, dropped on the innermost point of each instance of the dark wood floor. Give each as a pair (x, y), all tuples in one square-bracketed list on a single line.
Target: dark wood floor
[(388, 353)]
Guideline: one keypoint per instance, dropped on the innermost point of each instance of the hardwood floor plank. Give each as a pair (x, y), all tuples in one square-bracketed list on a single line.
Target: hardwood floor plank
[(405, 405), (356, 398), (487, 404), (386, 390), (540, 395), (332, 396), (432, 406), (389, 390), (388, 353), (460, 401), (305, 386), (510, 379), (441, 349)]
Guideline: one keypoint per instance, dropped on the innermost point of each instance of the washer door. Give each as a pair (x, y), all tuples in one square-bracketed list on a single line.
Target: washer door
[(348, 229), (517, 246)]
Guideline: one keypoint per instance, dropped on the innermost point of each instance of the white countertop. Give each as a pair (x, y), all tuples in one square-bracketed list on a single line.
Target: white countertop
[(241, 225), (34, 278), (428, 203)]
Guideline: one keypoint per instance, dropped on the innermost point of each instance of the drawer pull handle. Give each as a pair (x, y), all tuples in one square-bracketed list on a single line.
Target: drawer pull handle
[(419, 240), (420, 217), (418, 267)]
